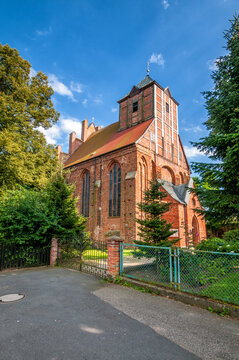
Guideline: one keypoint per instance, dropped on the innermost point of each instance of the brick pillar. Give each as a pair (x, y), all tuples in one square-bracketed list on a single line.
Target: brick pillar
[(113, 246), (54, 251)]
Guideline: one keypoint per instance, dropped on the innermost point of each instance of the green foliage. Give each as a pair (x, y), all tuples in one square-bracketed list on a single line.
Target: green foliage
[(232, 236), (202, 269), (218, 188), (226, 289), (25, 105), (25, 218), (33, 217), (153, 229), (60, 199), (227, 245), (120, 281), (223, 312)]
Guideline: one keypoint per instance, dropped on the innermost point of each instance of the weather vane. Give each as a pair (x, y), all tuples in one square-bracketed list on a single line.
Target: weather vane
[(147, 67)]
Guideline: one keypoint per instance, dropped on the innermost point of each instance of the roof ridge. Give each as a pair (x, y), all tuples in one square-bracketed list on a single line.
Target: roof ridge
[(106, 140)]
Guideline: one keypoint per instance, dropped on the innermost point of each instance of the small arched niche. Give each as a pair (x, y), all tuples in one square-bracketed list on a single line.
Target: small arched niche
[(167, 174)]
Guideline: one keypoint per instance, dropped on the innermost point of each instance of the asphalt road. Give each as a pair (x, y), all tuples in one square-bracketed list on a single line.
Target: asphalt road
[(71, 315)]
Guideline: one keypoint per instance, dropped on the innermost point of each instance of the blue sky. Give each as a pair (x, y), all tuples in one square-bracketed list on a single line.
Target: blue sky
[(94, 52)]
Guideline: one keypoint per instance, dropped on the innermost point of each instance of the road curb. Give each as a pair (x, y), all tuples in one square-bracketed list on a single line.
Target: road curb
[(202, 302)]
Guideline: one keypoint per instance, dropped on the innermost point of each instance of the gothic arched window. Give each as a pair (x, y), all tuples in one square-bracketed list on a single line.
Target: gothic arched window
[(85, 197), (115, 190), (143, 177)]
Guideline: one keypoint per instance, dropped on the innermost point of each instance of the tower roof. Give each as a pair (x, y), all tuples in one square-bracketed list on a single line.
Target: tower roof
[(147, 81)]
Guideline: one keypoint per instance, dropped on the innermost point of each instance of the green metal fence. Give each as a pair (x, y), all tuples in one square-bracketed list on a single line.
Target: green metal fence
[(147, 263), (205, 273), (211, 274)]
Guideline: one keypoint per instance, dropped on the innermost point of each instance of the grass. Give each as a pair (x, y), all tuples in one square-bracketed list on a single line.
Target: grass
[(95, 254), (226, 289), (99, 254), (223, 312)]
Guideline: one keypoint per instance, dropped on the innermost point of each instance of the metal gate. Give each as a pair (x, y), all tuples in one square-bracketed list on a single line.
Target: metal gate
[(94, 259), (20, 256), (152, 264)]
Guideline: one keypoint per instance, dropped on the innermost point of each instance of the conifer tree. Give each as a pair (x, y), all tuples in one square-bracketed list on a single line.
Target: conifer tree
[(218, 187), (153, 229), (61, 201)]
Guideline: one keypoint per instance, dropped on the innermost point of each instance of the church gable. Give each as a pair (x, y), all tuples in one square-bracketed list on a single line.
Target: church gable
[(147, 140)]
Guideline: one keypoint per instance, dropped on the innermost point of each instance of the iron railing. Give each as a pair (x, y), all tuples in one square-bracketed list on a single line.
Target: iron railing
[(205, 273), (19, 256)]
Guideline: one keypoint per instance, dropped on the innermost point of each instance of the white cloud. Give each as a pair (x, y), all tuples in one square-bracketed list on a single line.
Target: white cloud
[(192, 152), (76, 87), (98, 99), (84, 102), (44, 32), (64, 127), (33, 72), (212, 64), (114, 109), (194, 129), (157, 59), (165, 4), (70, 124), (51, 134), (59, 87)]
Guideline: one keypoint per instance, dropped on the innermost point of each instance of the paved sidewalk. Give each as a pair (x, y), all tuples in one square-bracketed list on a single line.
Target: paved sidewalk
[(207, 335), (60, 318), (70, 315)]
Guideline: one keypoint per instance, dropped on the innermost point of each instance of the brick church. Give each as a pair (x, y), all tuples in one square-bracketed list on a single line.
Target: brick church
[(111, 166)]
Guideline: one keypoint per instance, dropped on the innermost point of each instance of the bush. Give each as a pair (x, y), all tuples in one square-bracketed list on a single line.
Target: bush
[(220, 245), (199, 269), (25, 218), (33, 217), (231, 236)]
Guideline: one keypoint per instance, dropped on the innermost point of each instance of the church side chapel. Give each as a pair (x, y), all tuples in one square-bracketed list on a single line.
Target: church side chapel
[(111, 167)]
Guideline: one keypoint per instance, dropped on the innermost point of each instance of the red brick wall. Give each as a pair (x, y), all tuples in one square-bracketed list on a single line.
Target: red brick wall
[(127, 117), (201, 233), (99, 222)]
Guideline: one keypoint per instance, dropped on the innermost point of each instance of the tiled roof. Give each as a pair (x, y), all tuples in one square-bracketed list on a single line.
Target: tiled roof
[(146, 80), (180, 193), (106, 140)]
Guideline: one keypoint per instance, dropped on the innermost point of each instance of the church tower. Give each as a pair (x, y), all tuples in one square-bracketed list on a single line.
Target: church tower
[(148, 100)]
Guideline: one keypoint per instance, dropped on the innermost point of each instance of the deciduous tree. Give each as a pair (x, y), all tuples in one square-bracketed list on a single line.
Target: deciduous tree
[(25, 105)]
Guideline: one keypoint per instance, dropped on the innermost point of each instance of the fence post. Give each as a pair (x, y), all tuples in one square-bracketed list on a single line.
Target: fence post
[(54, 251), (113, 245)]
